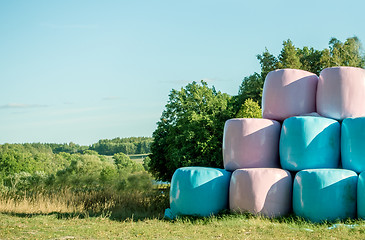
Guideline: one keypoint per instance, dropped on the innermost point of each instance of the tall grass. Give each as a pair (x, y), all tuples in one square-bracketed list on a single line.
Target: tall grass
[(148, 203)]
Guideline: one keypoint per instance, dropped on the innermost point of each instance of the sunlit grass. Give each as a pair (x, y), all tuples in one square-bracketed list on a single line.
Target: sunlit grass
[(139, 215)]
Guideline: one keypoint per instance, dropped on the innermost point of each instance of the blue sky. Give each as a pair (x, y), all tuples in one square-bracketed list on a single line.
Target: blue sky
[(85, 70)]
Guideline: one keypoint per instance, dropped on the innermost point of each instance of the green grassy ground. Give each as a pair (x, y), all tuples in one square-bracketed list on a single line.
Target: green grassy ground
[(62, 226), (136, 157)]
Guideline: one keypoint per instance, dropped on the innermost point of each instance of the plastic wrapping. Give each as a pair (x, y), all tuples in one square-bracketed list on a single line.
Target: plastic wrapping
[(361, 196), (309, 142), (251, 142), (325, 194), (352, 144), (341, 92), (289, 92), (263, 191), (199, 191)]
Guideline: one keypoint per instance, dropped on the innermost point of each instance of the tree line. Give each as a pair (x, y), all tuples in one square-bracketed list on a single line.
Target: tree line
[(130, 145), (190, 129)]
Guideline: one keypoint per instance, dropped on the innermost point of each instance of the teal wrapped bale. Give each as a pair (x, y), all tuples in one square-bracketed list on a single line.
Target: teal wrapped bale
[(361, 196), (352, 144), (199, 191), (308, 142), (325, 194)]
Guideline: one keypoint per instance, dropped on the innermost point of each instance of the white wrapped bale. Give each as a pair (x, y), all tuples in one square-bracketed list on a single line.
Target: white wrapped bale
[(262, 191), (251, 143), (289, 92), (341, 92)]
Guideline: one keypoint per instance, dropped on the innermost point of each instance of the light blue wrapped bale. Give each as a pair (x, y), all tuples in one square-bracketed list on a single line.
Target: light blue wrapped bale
[(353, 144), (325, 194), (361, 196), (309, 142), (199, 191)]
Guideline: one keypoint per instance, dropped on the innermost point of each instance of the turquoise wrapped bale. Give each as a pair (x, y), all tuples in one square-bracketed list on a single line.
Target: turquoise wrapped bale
[(325, 194), (199, 191), (352, 144), (361, 196), (308, 142)]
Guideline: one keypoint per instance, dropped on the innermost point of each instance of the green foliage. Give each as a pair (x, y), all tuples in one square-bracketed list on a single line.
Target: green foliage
[(310, 59), (250, 109), (268, 63), (16, 158), (66, 147), (289, 57), (29, 168), (146, 163), (348, 53), (132, 145), (190, 130), (251, 88), (122, 161)]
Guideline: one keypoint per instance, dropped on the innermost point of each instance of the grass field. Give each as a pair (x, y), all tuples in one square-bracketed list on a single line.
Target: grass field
[(63, 226), (136, 157), (139, 215)]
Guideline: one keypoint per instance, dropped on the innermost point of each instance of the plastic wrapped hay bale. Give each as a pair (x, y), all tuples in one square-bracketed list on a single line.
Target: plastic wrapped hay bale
[(341, 92), (309, 142), (361, 196), (263, 191), (289, 92), (325, 194), (352, 144), (199, 191), (251, 142)]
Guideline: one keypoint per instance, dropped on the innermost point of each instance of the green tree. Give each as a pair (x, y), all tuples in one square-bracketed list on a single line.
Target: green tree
[(122, 161), (289, 57), (251, 87), (310, 59), (348, 53), (268, 63), (190, 130), (249, 109)]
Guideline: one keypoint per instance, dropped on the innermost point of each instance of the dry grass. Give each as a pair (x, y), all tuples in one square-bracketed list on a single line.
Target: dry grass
[(117, 205), (43, 205)]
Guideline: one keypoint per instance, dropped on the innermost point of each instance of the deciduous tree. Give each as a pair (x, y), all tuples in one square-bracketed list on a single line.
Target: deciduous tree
[(190, 130)]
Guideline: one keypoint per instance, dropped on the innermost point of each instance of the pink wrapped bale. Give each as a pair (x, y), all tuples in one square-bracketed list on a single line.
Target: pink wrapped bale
[(341, 92), (289, 92), (263, 191), (251, 143)]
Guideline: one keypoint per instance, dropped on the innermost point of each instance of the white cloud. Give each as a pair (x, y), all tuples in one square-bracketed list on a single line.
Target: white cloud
[(21, 105)]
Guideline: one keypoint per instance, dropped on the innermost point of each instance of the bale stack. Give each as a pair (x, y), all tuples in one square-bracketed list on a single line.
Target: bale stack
[(303, 156)]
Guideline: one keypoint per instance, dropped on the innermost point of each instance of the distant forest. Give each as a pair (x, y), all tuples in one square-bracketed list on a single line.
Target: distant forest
[(131, 145)]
